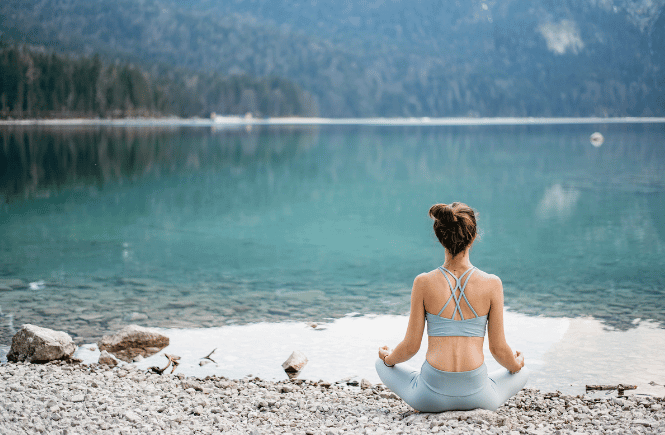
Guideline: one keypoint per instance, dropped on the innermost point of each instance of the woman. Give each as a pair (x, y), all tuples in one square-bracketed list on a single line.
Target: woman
[(457, 301)]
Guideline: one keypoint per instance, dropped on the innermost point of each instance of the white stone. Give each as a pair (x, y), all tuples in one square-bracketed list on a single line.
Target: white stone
[(295, 362), (131, 416), (35, 344)]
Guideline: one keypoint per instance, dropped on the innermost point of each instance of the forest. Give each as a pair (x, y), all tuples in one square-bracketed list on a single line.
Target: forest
[(375, 58), (36, 83)]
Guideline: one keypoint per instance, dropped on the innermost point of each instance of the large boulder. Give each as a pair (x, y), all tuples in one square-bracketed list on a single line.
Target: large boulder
[(134, 340), (39, 345)]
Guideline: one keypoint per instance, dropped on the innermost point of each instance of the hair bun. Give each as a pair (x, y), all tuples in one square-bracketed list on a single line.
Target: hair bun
[(448, 215), (443, 214), (454, 225)]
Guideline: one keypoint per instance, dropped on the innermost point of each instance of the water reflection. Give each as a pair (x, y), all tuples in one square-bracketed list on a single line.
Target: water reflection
[(191, 227), (40, 161), (558, 202)]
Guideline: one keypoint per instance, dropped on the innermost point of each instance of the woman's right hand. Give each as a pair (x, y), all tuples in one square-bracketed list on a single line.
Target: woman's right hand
[(384, 351), (519, 359)]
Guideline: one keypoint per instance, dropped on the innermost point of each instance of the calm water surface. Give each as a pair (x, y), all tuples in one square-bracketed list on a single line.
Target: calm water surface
[(194, 227)]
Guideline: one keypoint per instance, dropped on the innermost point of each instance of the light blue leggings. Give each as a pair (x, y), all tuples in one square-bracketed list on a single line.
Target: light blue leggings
[(432, 390)]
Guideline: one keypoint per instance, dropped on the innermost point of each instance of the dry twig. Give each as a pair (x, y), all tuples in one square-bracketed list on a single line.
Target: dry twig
[(620, 388), (159, 371), (173, 359), (208, 356)]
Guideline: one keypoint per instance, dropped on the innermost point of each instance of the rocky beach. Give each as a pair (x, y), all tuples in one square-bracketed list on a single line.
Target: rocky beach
[(65, 398), (48, 389)]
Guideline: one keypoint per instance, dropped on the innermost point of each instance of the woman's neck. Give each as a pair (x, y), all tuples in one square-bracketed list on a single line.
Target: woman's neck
[(458, 263)]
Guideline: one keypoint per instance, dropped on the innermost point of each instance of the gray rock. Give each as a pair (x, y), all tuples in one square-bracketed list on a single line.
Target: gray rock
[(134, 317), (107, 359), (286, 389), (645, 423), (476, 416), (617, 401), (187, 384), (134, 340), (294, 363), (132, 416), (38, 345), (365, 384), (12, 284)]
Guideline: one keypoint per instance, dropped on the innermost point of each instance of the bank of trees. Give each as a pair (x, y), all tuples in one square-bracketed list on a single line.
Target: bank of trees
[(35, 83), (383, 58)]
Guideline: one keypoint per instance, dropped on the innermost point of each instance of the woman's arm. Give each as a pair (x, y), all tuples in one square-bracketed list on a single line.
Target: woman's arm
[(499, 348), (414, 332)]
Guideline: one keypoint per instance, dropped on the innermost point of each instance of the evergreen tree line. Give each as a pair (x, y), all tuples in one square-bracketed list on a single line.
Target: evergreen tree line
[(38, 84), (391, 58)]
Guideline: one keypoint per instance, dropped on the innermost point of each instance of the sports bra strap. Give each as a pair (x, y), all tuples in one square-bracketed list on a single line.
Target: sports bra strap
[(451, 294), (453, 290)]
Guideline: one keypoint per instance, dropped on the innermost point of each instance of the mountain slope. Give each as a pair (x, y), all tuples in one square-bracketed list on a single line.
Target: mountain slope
[(419, 58)]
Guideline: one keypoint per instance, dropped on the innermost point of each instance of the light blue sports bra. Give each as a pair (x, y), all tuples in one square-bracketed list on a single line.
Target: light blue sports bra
[(438, 326)]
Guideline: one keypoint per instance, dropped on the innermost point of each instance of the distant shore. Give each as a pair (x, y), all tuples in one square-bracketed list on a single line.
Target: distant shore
[(242, 121)]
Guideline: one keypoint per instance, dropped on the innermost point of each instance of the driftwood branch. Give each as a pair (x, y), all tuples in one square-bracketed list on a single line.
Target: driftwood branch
[(620, 388), (208, 356), (157, 370), (173, 359)]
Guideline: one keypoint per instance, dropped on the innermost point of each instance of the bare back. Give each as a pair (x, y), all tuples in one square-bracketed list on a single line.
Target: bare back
[(457, 354)]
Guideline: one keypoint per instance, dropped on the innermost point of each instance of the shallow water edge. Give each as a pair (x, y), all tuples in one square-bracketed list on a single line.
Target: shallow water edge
[(563, 354)]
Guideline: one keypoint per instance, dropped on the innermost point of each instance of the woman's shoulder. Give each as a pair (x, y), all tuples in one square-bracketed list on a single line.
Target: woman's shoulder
[(486, 276), (479, 278), (487, 281), (424, 278), (478, 273)]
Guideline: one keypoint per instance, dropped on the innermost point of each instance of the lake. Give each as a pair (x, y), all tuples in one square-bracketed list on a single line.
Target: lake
[(189, 227)]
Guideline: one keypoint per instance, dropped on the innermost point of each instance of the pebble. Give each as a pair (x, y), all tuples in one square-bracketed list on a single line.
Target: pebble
[(59, 398)]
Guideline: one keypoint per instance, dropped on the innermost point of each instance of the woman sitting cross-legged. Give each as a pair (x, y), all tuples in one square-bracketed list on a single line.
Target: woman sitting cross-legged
[(457, 301)]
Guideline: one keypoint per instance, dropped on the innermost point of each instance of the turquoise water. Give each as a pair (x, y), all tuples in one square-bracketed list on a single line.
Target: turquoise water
[(188, 227)]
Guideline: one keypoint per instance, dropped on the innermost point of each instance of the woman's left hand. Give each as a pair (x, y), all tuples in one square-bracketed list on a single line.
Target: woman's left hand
[(384, 351)]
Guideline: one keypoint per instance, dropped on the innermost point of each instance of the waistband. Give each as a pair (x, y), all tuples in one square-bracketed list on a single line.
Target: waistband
[(454, 383)]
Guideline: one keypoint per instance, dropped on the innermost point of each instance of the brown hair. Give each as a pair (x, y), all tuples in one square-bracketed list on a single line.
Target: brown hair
[(454, 226)]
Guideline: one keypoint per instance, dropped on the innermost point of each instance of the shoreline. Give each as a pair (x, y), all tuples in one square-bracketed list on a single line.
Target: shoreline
[(59, 398), (563, 354), (238, 121)]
